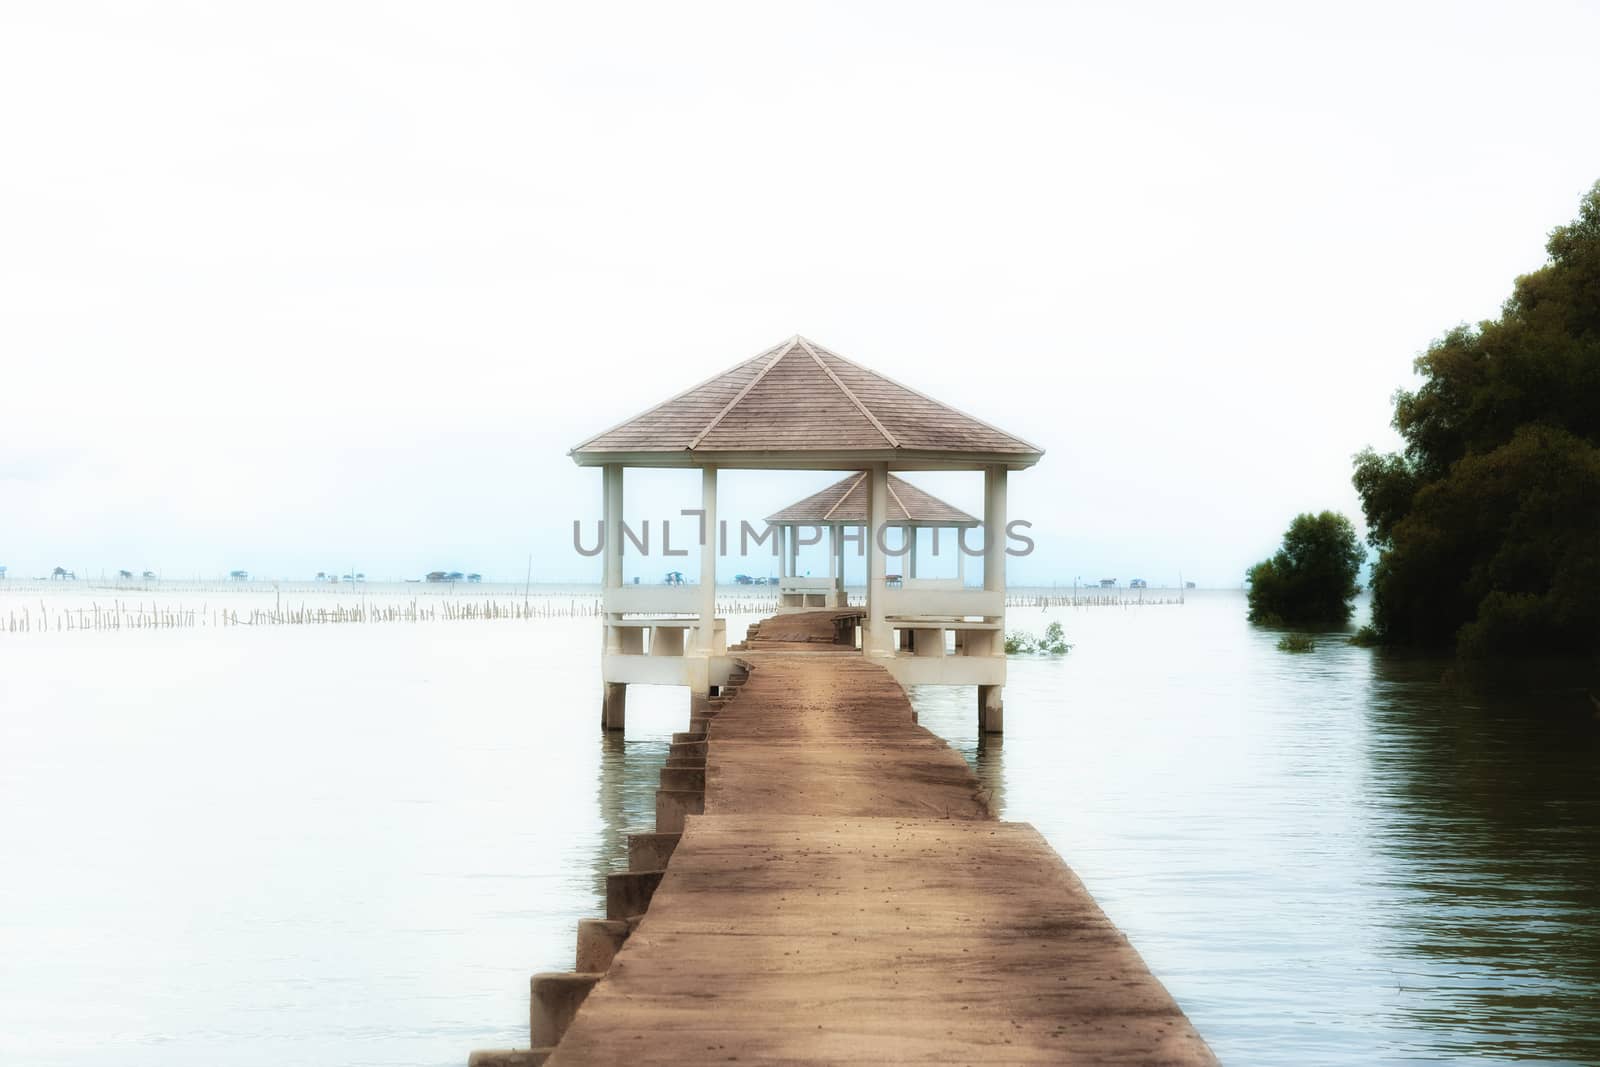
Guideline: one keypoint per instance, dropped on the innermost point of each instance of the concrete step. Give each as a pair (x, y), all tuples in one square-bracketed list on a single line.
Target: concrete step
[(509, 1057), (628, 893), (598, 942), (672, 805), (650, 852), (556, 998), (684, 778)]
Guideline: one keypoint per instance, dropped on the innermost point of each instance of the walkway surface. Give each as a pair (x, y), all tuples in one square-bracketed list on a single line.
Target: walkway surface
[(848, 897)]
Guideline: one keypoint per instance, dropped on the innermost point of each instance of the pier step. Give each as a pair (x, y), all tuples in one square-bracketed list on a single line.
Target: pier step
[(681, 778), (509, 1057), (556, 1000), (650, 852), (598, 942), (628, 893), (673, 805)]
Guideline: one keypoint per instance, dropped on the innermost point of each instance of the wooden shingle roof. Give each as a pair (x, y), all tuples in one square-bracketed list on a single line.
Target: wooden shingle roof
[(800, 405), (844, 503)]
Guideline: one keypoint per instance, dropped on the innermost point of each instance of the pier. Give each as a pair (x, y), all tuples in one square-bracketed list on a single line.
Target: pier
[(827, 883)]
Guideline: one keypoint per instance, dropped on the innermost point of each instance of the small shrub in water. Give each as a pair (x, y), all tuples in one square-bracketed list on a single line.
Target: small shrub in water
[(1366, 637), (1295, 643), (1020, 643)]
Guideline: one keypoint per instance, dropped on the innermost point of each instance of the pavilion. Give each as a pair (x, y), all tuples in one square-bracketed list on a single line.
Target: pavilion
[(843, 506), (800, 406)]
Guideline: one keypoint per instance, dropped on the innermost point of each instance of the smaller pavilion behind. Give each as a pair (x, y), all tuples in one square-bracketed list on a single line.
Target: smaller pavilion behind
[(842, 507)]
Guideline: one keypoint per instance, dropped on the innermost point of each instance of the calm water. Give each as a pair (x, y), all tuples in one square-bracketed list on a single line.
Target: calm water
[(352, 845)]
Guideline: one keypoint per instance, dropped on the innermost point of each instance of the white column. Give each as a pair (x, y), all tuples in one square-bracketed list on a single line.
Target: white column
[(611, 513), (994, 529), (961, 559), (708, 560), (794, 551), (991, 705), (878, 634), (614, 700), (911, 562), (834, 557)]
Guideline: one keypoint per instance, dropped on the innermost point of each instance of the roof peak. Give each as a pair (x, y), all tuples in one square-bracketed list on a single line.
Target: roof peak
[(800, 400)]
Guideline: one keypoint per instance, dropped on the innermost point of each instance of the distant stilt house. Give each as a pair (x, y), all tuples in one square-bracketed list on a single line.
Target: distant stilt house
[(435, 576), (800, 406), (62, 574), (239, 576), (125, 575), (843, 505)]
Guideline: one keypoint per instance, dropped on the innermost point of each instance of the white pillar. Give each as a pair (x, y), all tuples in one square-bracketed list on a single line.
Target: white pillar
[(961, 559), (878, 635), (611, 513), (614, 699), (835, 557), (991, 707), (794, 551), (708, 560), (911, 563), (994, 529)]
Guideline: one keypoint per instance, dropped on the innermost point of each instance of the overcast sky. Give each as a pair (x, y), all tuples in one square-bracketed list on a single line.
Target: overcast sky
[(293, 287)]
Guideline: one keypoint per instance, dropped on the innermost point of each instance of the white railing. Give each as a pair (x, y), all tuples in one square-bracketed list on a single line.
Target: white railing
[(653, 600), (913, 600)]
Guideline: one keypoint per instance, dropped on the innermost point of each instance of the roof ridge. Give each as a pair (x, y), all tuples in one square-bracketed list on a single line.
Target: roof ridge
[(918, 393), (579, 447), (843, 496), (783, 350), (887, 436)]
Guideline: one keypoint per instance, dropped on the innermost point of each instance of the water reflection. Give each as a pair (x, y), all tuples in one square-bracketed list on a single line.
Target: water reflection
[(1485, 808), (1333, 853), (630, 772)]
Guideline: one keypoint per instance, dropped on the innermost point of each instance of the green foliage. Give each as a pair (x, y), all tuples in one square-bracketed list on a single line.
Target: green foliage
[(1296, 643), (1054, 642), (1487, 525), (1366, 637), (1020, 643), (1312, 577)]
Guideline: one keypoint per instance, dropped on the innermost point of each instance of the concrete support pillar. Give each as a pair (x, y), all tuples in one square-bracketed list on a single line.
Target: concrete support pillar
[(599, 940), (991, 717), (614, 706), (611, 501), (911, 560), (555, 999), (994, 529), (708, 562), (794, 551), (877, 638), (991, 709)]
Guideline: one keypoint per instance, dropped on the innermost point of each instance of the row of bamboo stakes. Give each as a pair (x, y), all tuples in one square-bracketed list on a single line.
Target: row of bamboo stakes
[(121, 615)]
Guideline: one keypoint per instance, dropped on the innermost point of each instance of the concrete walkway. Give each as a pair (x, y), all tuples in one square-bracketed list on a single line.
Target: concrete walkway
[(848, 897)]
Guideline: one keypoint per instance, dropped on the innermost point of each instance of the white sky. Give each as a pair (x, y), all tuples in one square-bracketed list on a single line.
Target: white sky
[(294, 287)]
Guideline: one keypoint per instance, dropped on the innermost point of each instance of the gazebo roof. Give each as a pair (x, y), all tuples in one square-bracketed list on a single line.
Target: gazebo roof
[(800, 405), (844, 503)]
